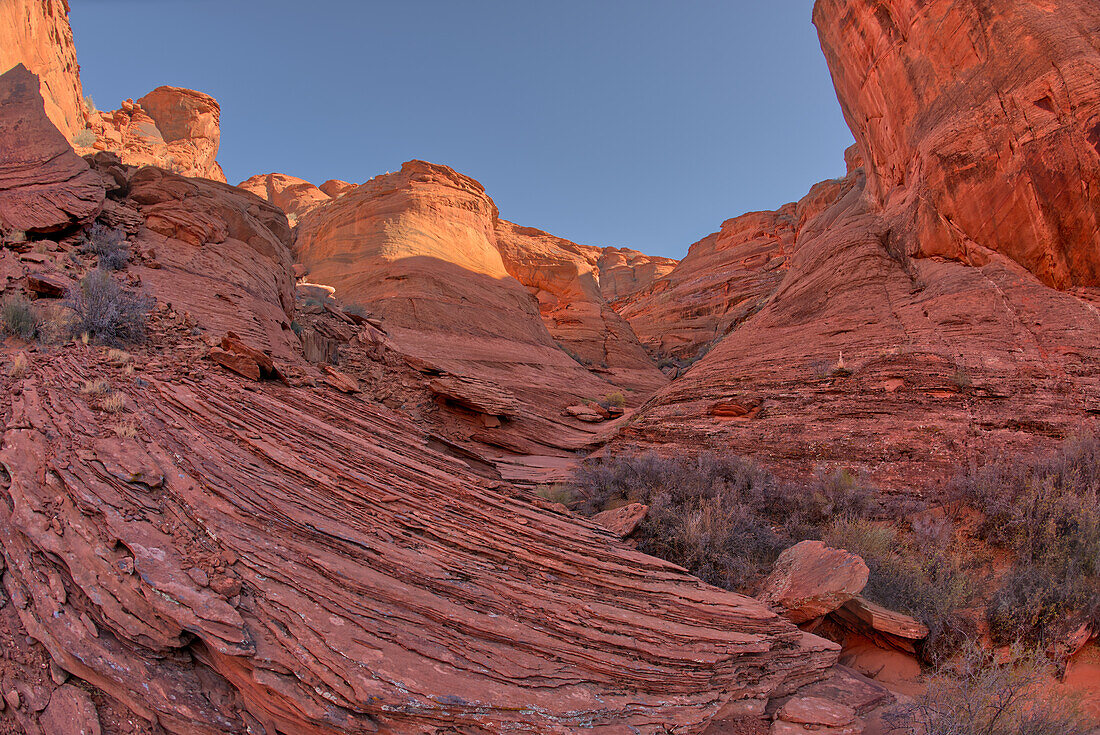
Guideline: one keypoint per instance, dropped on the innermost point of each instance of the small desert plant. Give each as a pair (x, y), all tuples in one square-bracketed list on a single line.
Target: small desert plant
[(109, 245), (356, 309), (982, 696), (112, 402), (557, 493), (118, 357), (20, 318), (840, 369), (1046, 511), (125, 429), (98, 387), (616, 399), (106, 311), (19, 366), (84, 139), (961, 379)]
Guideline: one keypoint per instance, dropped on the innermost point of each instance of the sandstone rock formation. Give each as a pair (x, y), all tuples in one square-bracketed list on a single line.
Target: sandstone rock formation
[(44, 186), (173, 128), (624, 271), (36, 34), (980, 126), (293, 196), (426, 251), (336, 187), (869, 353)]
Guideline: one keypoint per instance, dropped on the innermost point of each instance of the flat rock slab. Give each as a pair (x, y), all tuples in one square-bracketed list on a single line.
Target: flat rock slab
[(811, 579)]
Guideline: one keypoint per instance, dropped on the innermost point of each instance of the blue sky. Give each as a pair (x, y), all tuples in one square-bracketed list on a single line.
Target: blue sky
[(633, 123)]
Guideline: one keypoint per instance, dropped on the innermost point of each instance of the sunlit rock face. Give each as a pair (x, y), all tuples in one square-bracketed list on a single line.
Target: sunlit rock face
[(36, 34), (980, 125)]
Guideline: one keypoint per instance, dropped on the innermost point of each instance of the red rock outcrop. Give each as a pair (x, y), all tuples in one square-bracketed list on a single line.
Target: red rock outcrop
[(425, 250), (566, 281), (870, 353), (980, 125), (336, 187), (624, 271), (895, 367), (44, 185), (293, 196), (725, 278), (36, 34), (172, 128)]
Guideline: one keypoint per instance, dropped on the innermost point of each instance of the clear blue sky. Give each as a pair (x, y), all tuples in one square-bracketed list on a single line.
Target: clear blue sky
[(637, 123)]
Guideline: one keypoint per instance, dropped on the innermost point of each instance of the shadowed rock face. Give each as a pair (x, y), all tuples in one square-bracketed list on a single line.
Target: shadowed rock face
[(44, 185), (980, 125), (36, 34), (912, 326)]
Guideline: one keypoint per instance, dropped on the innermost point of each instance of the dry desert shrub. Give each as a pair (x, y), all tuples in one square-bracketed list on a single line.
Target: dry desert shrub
[(112, 402), (108, 245), (19, 366), (106, 311), (1044, 510), (724, 518), (19, 318), (978, 695)]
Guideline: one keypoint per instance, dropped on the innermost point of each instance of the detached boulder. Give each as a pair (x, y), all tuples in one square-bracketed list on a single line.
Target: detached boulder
[(49, 285), (811, 579), (622, 521), (816, 715), (243, 359)]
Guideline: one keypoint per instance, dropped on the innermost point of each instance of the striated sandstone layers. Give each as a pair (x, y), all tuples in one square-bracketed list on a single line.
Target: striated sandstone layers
[(425, 250), (36, 34), (980, 125), (217, 554)]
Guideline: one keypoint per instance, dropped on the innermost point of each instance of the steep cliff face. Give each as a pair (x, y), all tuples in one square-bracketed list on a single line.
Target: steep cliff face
[(980, 125), (36, 34), (913, 325), (44, 186), (725, 278)]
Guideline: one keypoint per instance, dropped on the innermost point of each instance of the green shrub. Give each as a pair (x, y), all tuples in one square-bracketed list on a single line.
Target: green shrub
[(616, 399), (557, 493), (20, 318), (107, 312)]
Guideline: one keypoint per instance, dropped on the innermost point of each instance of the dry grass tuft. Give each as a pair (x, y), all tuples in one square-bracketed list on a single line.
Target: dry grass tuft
[(118, 357), (126, 429), (19, 366), (96, 387), (112, 403)]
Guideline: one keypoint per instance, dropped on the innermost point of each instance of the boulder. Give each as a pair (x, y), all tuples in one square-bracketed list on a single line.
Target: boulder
[(811, 580), (623, 521), (49, 285)]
